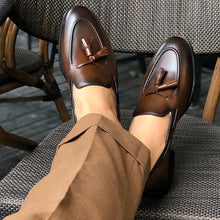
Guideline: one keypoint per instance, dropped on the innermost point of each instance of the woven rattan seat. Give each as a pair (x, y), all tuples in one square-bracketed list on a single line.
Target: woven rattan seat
[(132, 25), (196, 185), (27, 60), (5, 7)]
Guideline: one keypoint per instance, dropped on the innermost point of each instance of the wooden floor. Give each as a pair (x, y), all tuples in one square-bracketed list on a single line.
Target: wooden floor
[(35, 120)]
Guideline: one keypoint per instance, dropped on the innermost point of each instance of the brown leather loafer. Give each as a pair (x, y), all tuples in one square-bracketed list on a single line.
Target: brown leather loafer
[(86, 56), (167, 88)]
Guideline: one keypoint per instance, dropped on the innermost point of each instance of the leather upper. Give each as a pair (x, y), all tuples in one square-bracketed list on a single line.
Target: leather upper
[(168, 82), (86, 54), (167, 88)]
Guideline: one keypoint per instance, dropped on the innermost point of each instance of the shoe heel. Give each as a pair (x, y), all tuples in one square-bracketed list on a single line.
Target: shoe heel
[(160, 180)]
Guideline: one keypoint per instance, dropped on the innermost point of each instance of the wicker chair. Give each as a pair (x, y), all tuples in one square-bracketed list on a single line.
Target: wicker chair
[(195, 190), (20, 67)]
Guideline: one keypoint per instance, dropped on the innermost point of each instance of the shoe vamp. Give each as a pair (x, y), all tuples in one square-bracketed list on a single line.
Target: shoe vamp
[(98, 72)]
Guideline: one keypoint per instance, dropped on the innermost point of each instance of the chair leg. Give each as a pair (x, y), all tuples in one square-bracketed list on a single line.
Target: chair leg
[(142, 62), (198, 68), (16, 141), (213, 95), (50, 88), (64, 115)]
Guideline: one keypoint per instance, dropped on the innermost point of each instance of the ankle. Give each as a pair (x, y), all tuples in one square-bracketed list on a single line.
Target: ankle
[(152, 132), (95, 99), (88, 108)]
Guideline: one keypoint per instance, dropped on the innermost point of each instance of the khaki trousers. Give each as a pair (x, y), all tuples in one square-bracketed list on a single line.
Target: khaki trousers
[(98, 173)]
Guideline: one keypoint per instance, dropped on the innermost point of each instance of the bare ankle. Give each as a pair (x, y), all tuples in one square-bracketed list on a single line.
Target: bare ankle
[(151, 131), (95, 99)]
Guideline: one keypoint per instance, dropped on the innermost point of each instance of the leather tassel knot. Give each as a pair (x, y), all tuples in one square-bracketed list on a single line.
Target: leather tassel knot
[(92, 58), (159, 86), (100, 54)]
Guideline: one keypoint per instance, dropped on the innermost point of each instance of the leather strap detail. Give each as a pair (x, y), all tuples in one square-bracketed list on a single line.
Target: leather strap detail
[(172, 84), (92, 58), (160, 86), (160, 76)]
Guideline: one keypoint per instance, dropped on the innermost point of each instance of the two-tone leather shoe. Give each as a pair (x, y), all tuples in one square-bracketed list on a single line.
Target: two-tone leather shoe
[(167, 89), (86, 56)]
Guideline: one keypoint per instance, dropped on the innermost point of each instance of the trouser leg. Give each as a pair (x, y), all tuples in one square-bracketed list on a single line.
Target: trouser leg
[(99, 172)]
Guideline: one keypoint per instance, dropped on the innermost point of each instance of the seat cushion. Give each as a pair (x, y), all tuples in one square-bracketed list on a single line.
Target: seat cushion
[(28, 60), (196, 185), (132, 25)]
